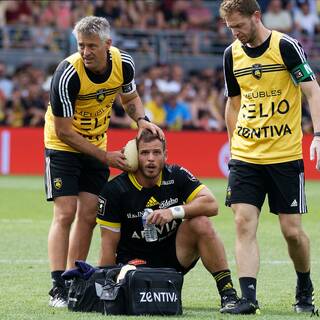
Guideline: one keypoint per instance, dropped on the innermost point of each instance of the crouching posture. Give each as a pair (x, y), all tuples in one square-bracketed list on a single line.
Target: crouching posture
[(181, 206)]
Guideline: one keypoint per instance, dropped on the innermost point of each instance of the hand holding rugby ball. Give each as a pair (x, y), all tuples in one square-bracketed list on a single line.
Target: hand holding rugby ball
[(131, 153)]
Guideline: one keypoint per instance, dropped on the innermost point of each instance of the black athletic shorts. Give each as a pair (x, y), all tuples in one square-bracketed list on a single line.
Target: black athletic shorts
[(68, 173), (164, 258), (282, 182)]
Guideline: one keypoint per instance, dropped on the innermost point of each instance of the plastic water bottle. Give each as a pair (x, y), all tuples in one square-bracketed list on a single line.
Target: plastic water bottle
[(150, 231)]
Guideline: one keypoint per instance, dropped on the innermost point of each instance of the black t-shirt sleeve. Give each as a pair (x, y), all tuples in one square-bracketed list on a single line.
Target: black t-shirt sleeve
[(187, 183), (128, 70), (293, 54), (65, 86), (109, 209), (232, 87)]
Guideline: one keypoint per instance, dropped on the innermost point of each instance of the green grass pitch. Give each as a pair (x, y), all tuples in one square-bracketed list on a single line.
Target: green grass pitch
[(24, 274)]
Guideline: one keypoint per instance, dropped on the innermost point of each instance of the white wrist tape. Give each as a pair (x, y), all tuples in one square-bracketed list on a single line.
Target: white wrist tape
[(177, 212)]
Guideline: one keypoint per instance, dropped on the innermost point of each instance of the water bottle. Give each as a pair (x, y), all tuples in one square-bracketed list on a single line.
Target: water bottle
[(150, 231)]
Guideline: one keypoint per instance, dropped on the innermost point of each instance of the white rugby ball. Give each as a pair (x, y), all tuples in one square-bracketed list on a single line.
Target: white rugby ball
[(131, 153)]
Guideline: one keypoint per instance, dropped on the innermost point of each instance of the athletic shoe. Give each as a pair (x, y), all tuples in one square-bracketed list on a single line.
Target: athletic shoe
[(243, 306), (228, 298), (304, 300), (58, 297)]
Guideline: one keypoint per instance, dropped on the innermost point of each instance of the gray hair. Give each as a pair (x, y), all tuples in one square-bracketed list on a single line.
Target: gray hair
[(93, 25)]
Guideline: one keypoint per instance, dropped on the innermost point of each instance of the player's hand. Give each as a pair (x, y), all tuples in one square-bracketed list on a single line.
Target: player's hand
[(143, 124), (116, 159), (315, 151), (160, 217)]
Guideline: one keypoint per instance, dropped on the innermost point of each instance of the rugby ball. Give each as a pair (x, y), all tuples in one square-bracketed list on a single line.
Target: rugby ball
[(131, 154)]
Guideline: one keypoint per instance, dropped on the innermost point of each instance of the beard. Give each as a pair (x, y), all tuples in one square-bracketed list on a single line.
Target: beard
[(252, 34), (151, 172)]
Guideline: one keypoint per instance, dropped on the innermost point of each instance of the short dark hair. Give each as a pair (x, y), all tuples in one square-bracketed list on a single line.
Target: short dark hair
[(244, 7), (148, 136)]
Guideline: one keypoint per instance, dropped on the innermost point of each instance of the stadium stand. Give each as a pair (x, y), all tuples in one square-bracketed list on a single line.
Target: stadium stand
[(177, 46)]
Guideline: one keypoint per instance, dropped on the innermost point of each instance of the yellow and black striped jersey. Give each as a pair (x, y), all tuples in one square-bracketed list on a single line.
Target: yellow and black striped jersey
[(268, 128), (123, 200), (87, 97)]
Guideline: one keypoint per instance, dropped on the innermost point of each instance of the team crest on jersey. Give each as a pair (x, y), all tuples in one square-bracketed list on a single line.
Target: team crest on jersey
[(257, 71), (57, 182), (100, 95)]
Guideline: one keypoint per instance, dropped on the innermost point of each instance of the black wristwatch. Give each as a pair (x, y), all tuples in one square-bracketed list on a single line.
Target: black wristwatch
[(143, 118), (316, 134)]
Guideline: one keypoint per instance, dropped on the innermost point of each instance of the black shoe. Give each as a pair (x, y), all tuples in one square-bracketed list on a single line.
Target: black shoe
[(228, 298), (304, 300), (58, 297), (243, 306)]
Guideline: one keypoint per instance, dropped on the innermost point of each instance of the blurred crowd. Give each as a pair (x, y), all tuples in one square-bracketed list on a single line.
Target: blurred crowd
[(173, 97)]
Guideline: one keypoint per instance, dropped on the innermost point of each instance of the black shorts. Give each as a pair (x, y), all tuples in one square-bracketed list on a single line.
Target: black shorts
[(164, 258), (68, 173), (282, 182)]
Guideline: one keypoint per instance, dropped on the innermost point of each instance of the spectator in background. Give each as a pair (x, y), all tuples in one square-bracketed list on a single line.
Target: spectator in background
[(175, 14), (35, 106), (178, 114), (199, 17), (306, 21), (110, 9), (15, 110), (278, 18), (155, 109), (205, 115), (3, 112), (6, 84)]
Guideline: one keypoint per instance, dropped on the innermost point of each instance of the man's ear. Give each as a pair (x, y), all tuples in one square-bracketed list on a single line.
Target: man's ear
[(108, 43)]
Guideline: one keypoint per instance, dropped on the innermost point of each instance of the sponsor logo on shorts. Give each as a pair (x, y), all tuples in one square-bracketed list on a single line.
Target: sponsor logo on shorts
[(101, 205), (57, 182), (228, 192)]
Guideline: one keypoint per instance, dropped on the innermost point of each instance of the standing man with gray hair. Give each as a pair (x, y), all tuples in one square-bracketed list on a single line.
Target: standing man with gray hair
[(265, 72), (83, 89)]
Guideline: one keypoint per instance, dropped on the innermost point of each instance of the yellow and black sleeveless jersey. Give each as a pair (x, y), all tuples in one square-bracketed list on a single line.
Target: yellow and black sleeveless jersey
[(123, 200), (268, 128), (87, 97)]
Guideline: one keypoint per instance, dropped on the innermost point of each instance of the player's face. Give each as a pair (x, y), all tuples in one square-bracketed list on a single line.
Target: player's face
[(152, 158), (93, 52), (242, 27)]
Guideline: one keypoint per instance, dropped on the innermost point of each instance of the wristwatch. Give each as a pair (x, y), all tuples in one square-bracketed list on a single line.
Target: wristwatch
[(143, 118)]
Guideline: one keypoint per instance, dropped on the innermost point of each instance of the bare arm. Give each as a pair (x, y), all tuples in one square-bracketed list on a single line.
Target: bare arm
[(109, 244), (68, 135), (204, 204), (134, 108), (312, 92), (231, 114)]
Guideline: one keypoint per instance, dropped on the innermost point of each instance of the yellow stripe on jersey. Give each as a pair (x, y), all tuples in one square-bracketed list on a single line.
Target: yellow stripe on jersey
[(138, 185), (116, 225), (93, 105), (194, 193), (268, 128)]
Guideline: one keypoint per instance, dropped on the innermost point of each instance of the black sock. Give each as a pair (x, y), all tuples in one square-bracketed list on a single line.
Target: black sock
[(248, 288), (303, 281), (223, 280), (57, 280)]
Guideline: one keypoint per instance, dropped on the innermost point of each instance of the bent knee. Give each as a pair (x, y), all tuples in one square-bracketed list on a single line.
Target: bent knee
[(202, 226)]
